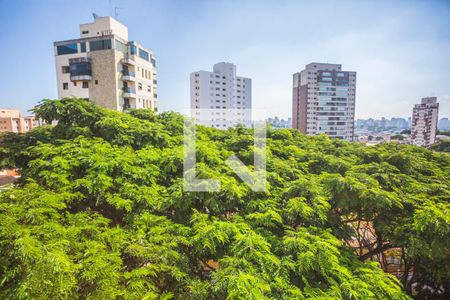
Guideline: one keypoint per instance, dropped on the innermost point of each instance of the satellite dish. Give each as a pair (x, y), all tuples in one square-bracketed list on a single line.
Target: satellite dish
[(95, 16)]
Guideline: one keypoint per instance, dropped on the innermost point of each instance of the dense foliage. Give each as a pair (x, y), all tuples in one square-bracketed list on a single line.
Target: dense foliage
[(100, 213), (442, 146)]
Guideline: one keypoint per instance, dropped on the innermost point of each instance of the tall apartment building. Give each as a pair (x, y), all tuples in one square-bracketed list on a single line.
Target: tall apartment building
[(221, 98), (323, 101), (424, 122), (11, 120), (107, 69)]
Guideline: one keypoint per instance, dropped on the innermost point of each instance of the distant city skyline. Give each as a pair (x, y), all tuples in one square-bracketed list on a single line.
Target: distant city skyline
[(399, 49)]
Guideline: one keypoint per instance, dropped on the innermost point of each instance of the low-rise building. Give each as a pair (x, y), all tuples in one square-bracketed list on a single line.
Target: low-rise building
[(11, 120)]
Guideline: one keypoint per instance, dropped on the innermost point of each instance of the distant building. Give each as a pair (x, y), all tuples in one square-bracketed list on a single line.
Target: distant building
[(107, 69), (424, 122), (323, 101), (11, 120), (280, 123), (221, 98), (384, 124)]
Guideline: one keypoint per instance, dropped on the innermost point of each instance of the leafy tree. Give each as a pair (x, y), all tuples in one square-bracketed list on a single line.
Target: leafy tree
[(100, 212), (441, 146)]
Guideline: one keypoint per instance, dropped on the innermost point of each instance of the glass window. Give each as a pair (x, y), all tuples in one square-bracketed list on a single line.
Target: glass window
[(100, 45), (143, 54), (121, 47), (80, 69), (65, 85), (66, 49), (326, 74), (65, 69), (85, 84), (132, 49), (153, 62), (82, 47)]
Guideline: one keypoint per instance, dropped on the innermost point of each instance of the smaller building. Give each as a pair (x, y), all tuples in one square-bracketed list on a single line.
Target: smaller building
[(424, 122), (11, 120)]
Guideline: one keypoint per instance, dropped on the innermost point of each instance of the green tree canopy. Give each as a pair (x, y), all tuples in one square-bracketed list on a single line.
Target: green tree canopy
[(100, 213)]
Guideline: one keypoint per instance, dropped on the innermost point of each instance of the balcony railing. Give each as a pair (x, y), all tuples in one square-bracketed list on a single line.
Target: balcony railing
[(127, 60), (129, 90), (129, 106), (128, 73)]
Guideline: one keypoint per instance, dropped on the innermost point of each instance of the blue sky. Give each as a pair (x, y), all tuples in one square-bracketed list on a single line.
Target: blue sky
[(401, 50)]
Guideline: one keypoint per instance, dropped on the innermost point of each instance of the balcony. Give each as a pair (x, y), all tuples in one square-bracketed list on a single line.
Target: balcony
[(128, 75), (128, 106), (128, 61), (80, 69), (129, 92)]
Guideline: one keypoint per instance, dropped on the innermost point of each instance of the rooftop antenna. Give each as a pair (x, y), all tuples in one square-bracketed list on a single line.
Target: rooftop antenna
[(95, 16), (116, 13)]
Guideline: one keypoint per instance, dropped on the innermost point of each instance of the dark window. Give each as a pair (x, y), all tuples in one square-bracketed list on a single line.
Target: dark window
[(74, 83), (126, 103), (143, 54), (96, 81), (65, 69), (100, 45), (66, 49), (153, 62), (65, 86), (85, 32), (82, 47), (85, 84), (80, 69), (155, 95)]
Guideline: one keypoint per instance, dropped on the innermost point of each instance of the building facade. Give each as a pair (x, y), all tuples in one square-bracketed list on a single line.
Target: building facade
[(424, 122), (107, 69), (323, 101), (11, 120), (221, 98)]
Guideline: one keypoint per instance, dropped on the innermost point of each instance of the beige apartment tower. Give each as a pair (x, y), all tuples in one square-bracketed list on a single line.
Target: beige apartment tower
[(424, 122), (11, 120), (323, 101), (105, 68)]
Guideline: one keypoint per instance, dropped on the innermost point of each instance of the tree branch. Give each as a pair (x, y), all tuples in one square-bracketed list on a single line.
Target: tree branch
[(376, 251)]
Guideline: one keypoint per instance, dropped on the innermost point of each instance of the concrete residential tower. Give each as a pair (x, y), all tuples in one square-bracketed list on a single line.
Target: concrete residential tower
[(323, 101), (220, 98), (424, 122), (107, 69)]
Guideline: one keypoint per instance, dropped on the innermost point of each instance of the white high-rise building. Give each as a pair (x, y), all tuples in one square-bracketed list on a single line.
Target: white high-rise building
[(424, 122), (105, 68), (323, 101), (220, 98)]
